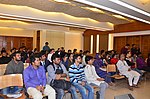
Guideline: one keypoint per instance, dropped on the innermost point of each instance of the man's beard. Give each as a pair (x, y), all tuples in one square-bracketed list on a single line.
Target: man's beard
[(18, 59)]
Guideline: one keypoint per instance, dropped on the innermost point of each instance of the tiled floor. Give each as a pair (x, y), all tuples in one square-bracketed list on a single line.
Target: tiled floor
[(139, 93)]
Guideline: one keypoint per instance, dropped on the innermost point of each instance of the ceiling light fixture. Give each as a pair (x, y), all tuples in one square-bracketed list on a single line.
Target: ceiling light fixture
[(62, 1), (93, 9), (119, 16), (130, 7), (112, 10)]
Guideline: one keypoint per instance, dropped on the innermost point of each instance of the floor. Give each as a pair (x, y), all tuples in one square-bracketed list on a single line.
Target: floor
[(139, 93)]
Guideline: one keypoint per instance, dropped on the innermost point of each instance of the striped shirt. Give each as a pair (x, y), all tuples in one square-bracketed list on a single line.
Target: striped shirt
[(76, 73)]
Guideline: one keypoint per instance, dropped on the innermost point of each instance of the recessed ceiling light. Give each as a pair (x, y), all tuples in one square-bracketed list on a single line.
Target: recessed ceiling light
[(112, 10), (119, 16), (62, 1), (93, 9)]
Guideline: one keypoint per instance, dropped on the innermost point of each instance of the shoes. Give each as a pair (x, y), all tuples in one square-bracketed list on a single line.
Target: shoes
[(135, 86), (111, 84), (131, 88)]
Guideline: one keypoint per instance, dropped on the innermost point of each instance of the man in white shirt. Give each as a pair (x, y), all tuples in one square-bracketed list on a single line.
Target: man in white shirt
[(92, 78), (124, 69), (52, 51)]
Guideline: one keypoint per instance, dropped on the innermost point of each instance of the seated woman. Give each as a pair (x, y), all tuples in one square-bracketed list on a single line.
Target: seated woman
[(101, 69), (124, 69), (92, 78), (114, 59), (141, 64)]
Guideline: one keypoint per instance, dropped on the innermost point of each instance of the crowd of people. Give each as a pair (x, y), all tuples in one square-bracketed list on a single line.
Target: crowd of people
[(72, 71)]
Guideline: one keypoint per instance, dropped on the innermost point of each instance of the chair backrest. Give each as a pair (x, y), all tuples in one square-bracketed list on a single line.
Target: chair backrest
[(111, 68), (11, 80), (2, 69)]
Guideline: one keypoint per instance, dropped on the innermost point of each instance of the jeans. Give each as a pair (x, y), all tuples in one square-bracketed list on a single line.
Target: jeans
[(11, 90), (82, 90), (102, 88), (60, 93)]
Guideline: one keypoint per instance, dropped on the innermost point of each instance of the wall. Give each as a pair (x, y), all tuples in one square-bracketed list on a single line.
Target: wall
[(17, 32), (68, 39), (56, 39), (103, 40), (74, 39)]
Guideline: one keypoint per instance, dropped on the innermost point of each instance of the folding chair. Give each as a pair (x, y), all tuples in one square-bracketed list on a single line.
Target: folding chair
[(113, 68), (9, 81)]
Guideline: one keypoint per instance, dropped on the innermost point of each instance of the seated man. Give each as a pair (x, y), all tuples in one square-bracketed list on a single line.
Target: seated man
[(53, 76), (124, 69), (92, 78), (44, 61), (15, 66), (4, 59), (77, 77), (35, 80)]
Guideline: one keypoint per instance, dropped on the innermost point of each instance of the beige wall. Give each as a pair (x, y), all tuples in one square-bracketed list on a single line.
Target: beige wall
[(69, 40), (56, 39), (74, 40)]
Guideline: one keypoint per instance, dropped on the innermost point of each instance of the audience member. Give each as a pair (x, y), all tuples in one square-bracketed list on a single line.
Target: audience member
[(92, 78), (124, 69), (4, 59), (35, 80), (77, 77), (63, 75), (125, 49), (46, 47)]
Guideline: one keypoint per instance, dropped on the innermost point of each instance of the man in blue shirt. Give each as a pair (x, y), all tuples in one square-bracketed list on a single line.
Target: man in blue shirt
[(35, 80), (77, 77), (46, 47)]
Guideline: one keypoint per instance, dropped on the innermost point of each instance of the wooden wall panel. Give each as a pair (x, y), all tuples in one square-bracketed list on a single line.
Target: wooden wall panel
[(87, 41), (145, 45), (141, 41), (10, 42), (119, 42), (103, 40)]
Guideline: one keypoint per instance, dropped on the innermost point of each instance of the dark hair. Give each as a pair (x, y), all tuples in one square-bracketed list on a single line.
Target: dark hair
[(33, 57), (42, 53), (88, 58), (3, 51), (46, 43), (54, 56), (127, 44), (69, 54), (75, 57), (14, 54), (113, 55), (148, 55), (51, 49), (102, 51), (133, 45)]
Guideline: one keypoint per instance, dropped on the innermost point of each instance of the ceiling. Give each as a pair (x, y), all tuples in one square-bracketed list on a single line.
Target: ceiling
[(75, 9)]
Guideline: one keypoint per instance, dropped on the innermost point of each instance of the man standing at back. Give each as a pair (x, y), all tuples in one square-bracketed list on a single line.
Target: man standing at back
[(46, 47)]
